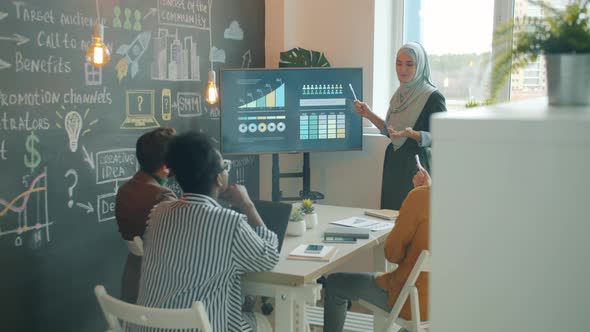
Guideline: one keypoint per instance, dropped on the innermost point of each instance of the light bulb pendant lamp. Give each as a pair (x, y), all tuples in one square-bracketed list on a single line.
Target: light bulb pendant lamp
[(98, 54), (211, 95)]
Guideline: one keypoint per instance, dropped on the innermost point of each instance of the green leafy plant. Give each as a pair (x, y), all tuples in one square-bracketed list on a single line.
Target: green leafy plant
[(475, 103), (560, 31), (296, 214), (300, 57), (307, 206)]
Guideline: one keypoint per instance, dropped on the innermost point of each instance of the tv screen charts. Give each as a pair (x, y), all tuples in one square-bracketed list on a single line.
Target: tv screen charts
[(290, 110)]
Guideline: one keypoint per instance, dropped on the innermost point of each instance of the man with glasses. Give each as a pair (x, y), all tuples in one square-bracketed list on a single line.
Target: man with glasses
[(197, 250)]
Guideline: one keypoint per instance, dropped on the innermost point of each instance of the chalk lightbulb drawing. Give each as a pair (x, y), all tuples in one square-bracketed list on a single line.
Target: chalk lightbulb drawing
[(73, 125)]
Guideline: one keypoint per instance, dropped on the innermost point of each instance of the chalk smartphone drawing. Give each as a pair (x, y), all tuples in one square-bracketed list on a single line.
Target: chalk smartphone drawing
[(27, 212)]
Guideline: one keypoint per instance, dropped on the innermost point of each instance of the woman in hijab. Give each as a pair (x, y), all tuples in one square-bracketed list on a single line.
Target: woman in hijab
[(407, 124)]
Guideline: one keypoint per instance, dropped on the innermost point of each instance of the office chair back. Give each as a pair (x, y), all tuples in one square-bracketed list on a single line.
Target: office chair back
[(115, 310), (136, 246)]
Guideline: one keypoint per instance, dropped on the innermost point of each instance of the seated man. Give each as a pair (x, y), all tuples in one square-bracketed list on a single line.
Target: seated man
[(404, 244), (197, 250), (136, 198)]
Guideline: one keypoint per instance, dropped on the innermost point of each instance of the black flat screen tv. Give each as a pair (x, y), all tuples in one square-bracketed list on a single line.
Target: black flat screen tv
[(290, 110)]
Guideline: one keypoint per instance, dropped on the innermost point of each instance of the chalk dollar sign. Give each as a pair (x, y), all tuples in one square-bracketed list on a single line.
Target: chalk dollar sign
[(35, 156)]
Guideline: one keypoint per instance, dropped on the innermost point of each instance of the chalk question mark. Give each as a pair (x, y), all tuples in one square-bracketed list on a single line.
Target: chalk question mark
[(139, 102), (71, 188)]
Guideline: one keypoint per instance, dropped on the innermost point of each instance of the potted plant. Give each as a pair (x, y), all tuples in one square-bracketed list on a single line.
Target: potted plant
[(296, 225), (563, 37), (310, 216)]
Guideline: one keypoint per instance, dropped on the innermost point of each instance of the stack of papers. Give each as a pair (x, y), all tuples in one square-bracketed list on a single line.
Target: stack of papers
[(323, 256), (359, 222)]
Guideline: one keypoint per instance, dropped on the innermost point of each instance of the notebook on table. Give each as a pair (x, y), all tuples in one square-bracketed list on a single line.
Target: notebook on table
[(386, 214)]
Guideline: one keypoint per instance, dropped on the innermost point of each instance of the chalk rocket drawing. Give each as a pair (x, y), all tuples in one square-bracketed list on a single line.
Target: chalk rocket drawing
[(133, 52)]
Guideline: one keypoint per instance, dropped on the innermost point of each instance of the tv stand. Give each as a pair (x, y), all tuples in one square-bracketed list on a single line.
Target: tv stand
[(277, 194)]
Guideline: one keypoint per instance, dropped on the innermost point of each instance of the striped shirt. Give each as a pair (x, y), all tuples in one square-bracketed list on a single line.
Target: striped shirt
[(194, 249)]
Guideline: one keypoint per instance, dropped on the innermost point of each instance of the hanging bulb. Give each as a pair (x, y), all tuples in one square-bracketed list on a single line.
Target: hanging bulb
[(98, 54), (211, 95)]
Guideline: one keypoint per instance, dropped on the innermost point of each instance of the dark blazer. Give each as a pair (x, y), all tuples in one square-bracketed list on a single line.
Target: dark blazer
[(135, 200)]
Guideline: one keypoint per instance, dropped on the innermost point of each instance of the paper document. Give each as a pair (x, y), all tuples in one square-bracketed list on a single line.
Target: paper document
[(359, 222)]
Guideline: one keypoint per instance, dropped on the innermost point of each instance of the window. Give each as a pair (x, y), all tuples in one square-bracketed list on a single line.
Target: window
[(458, 43), (93, 75), (459, 46), (532, 79)]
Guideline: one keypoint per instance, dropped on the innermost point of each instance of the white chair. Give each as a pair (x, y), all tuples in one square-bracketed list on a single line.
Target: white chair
[(385, 321), (136, 246), (115, 309)]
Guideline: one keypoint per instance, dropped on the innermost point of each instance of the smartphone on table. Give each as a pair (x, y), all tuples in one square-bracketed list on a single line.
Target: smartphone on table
[(314, 248)]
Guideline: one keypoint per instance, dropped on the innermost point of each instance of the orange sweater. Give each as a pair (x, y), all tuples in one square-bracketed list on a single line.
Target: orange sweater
[(405, 242)]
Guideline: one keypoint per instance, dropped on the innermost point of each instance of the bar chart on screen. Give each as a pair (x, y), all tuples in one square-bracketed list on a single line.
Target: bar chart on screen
[(274, 98), (26, 215)]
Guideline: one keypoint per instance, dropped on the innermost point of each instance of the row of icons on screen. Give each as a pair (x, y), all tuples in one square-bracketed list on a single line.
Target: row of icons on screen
[(322, 89), (262, 127)]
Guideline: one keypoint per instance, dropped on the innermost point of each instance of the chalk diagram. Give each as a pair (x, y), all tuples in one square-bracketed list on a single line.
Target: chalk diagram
[(113, 166), (27, 212), (73, 123)]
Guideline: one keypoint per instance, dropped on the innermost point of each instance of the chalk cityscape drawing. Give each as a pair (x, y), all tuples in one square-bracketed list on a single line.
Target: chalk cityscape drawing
[(175, 60), (140, 110), (27, 212)]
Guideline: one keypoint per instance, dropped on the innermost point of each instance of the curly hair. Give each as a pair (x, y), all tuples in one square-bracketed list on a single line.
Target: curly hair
[(151, 148), (194, 161)]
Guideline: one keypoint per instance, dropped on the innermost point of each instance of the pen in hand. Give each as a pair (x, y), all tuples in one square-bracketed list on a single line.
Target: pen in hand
[(352, 90)]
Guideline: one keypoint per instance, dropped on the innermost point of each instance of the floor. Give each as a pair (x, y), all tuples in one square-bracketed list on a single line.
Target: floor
[(355, 308)]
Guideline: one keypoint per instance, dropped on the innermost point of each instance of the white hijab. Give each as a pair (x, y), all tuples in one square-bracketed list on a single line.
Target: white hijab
[(409, 99)]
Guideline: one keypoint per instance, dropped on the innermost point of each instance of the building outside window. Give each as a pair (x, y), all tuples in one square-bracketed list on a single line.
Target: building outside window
[(459, 46)]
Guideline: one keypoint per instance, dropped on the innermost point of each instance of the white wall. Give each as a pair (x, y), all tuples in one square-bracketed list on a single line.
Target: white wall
[(344, 31), (509, 220)]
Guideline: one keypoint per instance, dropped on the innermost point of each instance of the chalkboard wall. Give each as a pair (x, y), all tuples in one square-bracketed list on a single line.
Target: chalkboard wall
[(68, 132)]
